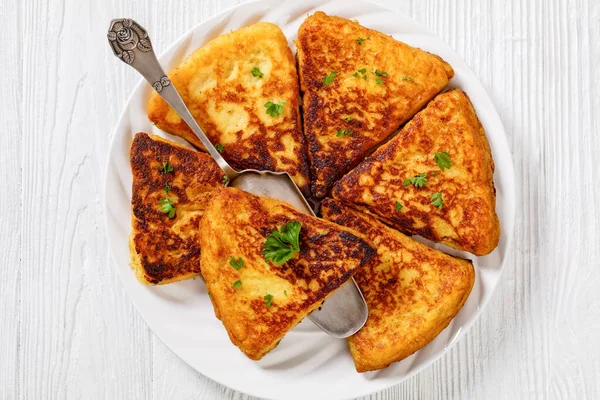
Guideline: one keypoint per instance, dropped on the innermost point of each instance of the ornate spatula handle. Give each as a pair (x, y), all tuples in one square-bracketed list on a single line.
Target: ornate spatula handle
[(130, 43)]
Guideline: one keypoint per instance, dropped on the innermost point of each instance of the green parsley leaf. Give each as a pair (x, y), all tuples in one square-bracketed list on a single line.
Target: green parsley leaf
[(167, 207), (166, 167), (219, 147), (237, 284), (408, 78), (225, 179), (274, 109), (284, 244), (348, 119), (344, 132), (236, 264), (356, 75), (379, 81), (399, 206), (417, 181), (362, 70), (361, 40), (436, 200), (167, 187), (380, 73), (268, 300), (328, 80), (443, 160), (256, 73)]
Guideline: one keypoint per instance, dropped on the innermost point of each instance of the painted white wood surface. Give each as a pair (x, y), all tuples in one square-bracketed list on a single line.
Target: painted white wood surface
[(68, 329)]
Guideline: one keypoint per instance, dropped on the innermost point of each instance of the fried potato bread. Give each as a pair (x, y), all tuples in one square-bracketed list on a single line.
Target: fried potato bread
[(226, 84), (412, 291), (359, 86), (165, 249), (260, 302), (454, 205)]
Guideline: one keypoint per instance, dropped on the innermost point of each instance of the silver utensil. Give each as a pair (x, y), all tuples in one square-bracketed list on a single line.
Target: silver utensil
[(345, 311)]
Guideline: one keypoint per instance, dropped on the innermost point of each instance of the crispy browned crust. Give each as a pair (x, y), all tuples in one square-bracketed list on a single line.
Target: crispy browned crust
[(412, 291), (227, 101), (468, 219), (236, 224), (165, 250), (327, 44)]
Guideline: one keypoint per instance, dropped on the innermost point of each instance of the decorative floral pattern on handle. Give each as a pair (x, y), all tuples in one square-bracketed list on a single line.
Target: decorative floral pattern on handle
[(125, 35)]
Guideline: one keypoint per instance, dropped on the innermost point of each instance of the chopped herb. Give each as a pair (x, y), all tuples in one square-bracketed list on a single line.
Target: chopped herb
[(256, 73), (348, 119), (219, 147), (328, 80), (268, 300), (344, 132), (417, 181), (237, 284), (356, 75), (436, 200), (379, 81), (225, 179), (166, 167), (236, 264), (361, 40), (209, 294), (167, 207), (379, 73), (284, 244), (362, 70), (443, 160), (274, 109), (399, 206), (167, 188), (285, 293), (408, 78)]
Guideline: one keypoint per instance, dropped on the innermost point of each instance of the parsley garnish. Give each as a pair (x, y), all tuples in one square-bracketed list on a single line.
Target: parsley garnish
[(344, 132), (256, 73), (283, 245), (166, 167), (167, 187), (274, 109), (361, 40), (362, 70), (399, 206), (236, 264), (379, 81), (443, 160), (167, 207), (328, 80), (417, 181), (358, 73), (436, 200), (225, 179), (237, 284), (408, 78), (268, 300), (348, 119), (219, 147), (380, 73)]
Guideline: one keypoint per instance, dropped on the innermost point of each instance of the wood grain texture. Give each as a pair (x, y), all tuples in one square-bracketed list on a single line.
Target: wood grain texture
[(68, 328)]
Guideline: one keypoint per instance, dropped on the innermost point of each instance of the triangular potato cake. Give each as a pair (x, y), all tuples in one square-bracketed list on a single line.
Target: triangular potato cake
[(258, 301), (359, 86), (434, 179), (171, 187), (412, 291), (228, 84)]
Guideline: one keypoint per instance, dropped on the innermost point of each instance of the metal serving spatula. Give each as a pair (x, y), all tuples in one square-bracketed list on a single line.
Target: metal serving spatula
[(345, 311)]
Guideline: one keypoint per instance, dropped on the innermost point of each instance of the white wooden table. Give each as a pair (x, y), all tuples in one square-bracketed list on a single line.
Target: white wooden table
[(69, 330)]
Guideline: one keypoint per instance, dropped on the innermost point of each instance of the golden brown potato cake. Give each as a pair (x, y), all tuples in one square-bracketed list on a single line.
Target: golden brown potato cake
[(226, 84), (412, 291), (359, 86), (268, 300), (456, 204), (165, 249)]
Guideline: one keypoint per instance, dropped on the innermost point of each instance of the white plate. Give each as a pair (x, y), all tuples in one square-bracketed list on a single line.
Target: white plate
[(307, 363)]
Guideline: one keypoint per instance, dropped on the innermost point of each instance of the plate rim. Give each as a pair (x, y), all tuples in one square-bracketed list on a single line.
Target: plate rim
[(510, 190)]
